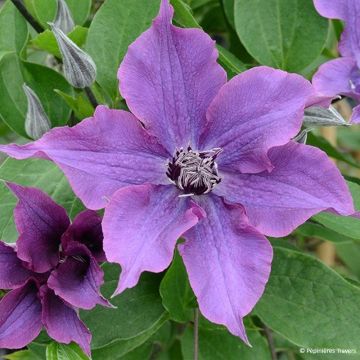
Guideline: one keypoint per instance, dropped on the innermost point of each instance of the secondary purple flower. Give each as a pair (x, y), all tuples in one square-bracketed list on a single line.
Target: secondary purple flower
[(200, 159), (50, 274), (342, 75)]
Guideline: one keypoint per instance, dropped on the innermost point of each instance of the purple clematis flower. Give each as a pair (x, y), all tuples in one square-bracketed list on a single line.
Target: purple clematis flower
[(51, 273), (342, 76), (201, 159)]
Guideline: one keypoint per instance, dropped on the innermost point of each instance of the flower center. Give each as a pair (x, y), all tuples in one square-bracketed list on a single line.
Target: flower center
[(194, 172)]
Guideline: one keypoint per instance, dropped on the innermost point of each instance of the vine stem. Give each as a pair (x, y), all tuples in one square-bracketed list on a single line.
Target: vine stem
[(270, 340), (29, 18), (91, 97), (196, 334)]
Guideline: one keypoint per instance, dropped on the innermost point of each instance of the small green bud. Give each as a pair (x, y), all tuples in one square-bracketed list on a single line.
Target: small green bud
[(63, 19), (79, 67), (301, 138), (36, 122), (319, 116)]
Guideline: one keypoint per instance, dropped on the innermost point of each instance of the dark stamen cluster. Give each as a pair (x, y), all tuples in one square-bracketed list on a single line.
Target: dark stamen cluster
[(194, 172)]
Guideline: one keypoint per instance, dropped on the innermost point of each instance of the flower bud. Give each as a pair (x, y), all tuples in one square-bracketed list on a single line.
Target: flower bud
[(301, 138), (79, 67), (63, 19), (36, 122), (319, 116)]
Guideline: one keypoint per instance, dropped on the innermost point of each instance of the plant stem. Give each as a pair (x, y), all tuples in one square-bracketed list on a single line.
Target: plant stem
[(270, 340), (196, 334), (91, 97), (29, 18)]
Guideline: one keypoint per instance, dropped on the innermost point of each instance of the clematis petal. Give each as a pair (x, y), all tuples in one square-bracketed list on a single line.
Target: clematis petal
[(228, 263), (12, 271), (334, 78), (77, 280), (348, 11), (62, 322), (253, 112), (303, 182), (141, 226), (41, 223), (349, 43), (20, 317), (355, 116), (100, 155), (86, 229), (169, 77), (336, 9)]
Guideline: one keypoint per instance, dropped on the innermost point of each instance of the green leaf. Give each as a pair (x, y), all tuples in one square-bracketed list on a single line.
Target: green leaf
[(176, 293), (80, 10), (56, 351), (142, 352), (344, 225), (38, 351), (213, 20), (121, 347), (115, 26), (230, 62), (324, 145), (219, 344), (45, 10), (21, 355), (159, 340), (349, 253), (46, 40), (138, 316), (313, 230), (36, 173), (183, 14), (286, 34), (13, 104), (309, 303), (13, 30), (229, 6), (79, 104), (283, 242)]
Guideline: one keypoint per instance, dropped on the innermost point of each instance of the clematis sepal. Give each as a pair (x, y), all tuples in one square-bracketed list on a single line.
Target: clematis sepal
[(57, 316), (51, 273), (78, 278), (40, 223), (20, 316), (86, 229), (13, 273)]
